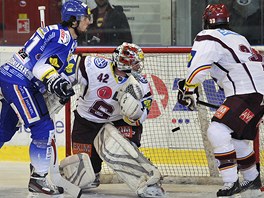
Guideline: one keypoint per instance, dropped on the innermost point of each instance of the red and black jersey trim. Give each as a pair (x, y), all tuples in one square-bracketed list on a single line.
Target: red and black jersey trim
[(211, 38), (84, 74)]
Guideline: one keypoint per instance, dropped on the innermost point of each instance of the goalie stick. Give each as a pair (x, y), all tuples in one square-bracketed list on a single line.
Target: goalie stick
[(56, 177)]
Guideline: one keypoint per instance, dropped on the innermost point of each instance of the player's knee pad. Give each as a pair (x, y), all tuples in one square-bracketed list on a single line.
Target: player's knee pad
[(78, 170), (127, 161), (219, 136), (245, 154), (43, 129), (243, 147)]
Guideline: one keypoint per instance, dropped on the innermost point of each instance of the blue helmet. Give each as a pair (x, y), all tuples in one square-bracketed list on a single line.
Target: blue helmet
[(74, 8)]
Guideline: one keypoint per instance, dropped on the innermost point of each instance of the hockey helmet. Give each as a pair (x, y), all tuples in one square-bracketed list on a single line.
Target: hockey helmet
[(75, 8), (127, 55), (215, 14)]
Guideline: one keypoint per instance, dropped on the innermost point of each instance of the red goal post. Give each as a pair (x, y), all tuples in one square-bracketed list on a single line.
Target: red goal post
[(182, 153)]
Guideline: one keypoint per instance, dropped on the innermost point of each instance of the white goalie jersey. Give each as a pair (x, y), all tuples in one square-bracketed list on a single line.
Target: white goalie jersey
[(229, 59), (97, 100)]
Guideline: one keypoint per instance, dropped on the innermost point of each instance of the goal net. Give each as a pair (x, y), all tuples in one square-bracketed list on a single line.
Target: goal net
[(173, 138)]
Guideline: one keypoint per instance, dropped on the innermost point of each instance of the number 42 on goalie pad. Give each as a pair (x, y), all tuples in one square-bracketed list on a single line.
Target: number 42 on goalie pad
[(128, 163)]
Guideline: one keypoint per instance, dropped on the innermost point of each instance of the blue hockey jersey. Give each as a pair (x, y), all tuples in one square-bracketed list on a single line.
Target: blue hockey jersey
[(49, 48)]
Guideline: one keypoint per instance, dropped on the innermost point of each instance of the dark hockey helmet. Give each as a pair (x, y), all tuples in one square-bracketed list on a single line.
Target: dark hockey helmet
[(75, 8), (215, 15)]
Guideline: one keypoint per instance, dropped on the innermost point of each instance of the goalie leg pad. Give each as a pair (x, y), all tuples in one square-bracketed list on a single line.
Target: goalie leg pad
[(78, 170), (128, 163)]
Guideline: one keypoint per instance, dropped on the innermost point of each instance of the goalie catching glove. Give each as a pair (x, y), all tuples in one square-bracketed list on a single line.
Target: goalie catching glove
[(129, 98), (187, 98), (130, 107), (61, 87)]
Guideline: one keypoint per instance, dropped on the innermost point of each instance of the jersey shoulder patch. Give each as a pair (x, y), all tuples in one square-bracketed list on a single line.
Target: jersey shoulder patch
[(64, 37), (100, 62), (42, 31)]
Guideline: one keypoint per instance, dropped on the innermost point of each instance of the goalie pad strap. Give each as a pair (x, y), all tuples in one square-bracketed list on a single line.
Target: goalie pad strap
[(78, 170), (125, 159)]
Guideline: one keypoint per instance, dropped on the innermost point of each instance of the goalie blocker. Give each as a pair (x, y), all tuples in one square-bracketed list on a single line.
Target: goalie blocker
[(128, 163)]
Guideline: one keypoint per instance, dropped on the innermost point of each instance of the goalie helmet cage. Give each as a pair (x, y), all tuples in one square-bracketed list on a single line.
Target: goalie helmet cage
[(183, 155)]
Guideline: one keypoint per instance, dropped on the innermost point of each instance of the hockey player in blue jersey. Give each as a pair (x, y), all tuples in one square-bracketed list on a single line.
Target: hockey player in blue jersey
[(42, 65)]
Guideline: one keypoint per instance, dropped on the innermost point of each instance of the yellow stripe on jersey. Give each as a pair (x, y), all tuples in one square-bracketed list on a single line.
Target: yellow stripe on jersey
[(190, 86), (199, 69), (112, 68), (48, 74)]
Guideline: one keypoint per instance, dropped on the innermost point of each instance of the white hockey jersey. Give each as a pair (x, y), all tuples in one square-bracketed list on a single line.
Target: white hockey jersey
[(229, 59), (99, 85)]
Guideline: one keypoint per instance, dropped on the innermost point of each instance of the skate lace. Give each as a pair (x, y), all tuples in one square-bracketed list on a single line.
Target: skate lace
[(245, 183), (45, 183), (51, 186)]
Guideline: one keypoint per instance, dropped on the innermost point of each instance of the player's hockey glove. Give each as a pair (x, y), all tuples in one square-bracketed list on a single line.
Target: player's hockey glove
[(187, 98), (61, 87)]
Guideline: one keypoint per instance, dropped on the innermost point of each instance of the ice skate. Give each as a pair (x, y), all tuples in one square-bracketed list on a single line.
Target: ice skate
[(95, 184), (230, 190), (251, 188), (40, 184)]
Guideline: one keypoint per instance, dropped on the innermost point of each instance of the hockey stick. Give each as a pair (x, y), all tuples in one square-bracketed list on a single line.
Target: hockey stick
[(56, 177), (207, 104), (42, 15)]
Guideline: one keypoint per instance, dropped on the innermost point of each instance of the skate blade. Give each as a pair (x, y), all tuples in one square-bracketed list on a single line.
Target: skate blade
[(41, 195), (252, 194), (232, 196)]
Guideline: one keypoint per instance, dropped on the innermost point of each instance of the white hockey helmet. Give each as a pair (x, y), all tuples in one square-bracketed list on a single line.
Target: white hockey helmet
[(128, 55)]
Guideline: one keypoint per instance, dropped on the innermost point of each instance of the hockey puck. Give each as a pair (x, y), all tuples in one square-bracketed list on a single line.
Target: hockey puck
[(175, 129)]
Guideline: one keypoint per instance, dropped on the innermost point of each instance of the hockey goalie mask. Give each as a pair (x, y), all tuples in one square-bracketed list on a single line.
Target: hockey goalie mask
[(215, 15), (129, 57)]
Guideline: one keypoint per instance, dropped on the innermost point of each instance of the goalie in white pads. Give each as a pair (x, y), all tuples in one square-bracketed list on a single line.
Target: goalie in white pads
[(113, 90)]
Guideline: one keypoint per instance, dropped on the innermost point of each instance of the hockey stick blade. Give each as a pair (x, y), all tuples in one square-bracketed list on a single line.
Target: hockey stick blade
[(207, 104), (56, 177)]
